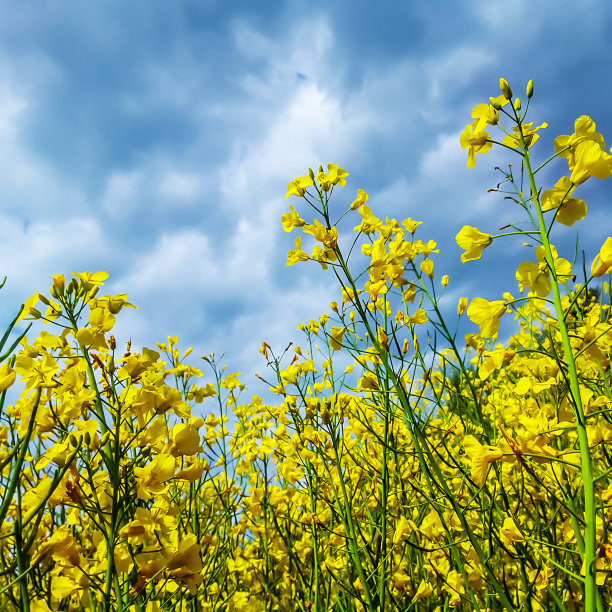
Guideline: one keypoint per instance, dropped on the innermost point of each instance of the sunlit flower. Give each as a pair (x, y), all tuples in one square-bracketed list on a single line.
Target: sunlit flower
[(473, 242), (486, 315)]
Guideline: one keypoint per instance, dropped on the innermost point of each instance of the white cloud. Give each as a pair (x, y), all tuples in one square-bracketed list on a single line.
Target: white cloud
[(179, 186), (157, 184), (33, 253), (456, 68), (123, 190)]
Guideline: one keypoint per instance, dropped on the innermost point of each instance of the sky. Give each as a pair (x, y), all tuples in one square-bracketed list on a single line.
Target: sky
[(155, 140)]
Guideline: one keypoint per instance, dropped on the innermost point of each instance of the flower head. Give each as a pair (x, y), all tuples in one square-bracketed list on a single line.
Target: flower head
[(473, 242), (475, 141), (297, 186)]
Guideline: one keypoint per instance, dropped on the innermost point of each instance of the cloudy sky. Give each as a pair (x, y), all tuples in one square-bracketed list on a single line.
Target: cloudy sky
[(155, 140)]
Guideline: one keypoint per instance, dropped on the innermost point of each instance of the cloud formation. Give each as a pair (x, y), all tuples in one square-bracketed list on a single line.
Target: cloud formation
[(156, 142)]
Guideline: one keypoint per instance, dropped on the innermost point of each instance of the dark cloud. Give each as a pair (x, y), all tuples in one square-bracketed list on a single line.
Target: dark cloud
[(155, 140)]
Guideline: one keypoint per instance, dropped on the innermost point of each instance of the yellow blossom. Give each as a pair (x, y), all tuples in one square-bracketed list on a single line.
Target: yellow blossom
[(362, 198), (297, 186), (473, 242), (7, 377), (481, 457), (486, 315), (602, 263), (474, 142)]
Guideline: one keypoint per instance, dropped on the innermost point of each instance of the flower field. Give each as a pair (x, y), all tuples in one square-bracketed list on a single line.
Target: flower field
[(404, 466)]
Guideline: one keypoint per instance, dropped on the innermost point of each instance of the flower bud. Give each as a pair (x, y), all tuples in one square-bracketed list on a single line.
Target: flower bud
[(43, 299), (311, 174), (495, 104), (59, 282), (72, 286), (517, 104), (505, 88), (529, 89)]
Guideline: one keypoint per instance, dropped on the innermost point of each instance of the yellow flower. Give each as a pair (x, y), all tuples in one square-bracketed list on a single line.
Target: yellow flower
[(474, 142), (484, 114), (486, 315), (101, 320), (291, 219), (39, 373), (297, 186), (423, 592), (335, 338), (403, 530), (510, 533), (369, 223), (187, 556), (362, 198), (590, 160), (461, 305), (151, 478), (61, 547), (334, 176), (411, 225), (185, 440), (7, 377), (91, 279), (419, 317), (602, 263), (570, 209), (536, 275), (427, 266), (473, 242), (481, 457), (328, 237), (529, 135), (191, 473), (383, 339), (28, 309), (295, 255), (584, 151)]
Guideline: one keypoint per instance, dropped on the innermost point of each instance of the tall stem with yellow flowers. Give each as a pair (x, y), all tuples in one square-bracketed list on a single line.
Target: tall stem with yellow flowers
[(592, 601)]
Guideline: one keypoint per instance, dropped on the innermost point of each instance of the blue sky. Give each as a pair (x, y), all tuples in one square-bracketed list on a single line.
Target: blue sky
[(155, 140)]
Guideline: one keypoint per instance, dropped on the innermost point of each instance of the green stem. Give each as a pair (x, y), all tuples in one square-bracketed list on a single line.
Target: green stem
[(590, 547)]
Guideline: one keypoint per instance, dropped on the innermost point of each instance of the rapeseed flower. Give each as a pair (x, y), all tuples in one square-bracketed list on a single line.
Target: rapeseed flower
[(473, 241)]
